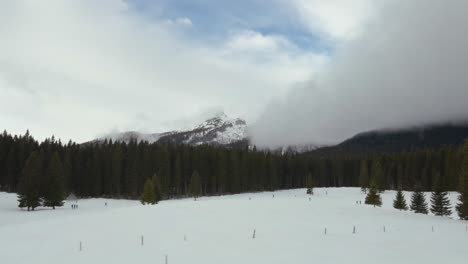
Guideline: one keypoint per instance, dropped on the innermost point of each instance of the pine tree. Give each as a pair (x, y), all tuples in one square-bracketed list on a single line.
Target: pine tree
[(440, 203), (67, 173), (116, 170), (11, 169), (272, 172), (221, 171), (364, 176), (177, 173), (148, 196), (164, 171), (131, 172), (378, 176), (373, 197), (156, 187), (462, 207), (195, 185), (309, 184), (234, 173), (400, 201), (55, 190), (418, 201), (28, 190)]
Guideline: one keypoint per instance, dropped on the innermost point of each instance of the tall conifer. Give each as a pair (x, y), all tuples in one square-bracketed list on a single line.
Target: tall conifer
[(418, 201), (195, 185), (462, 206), (400, 201), (309, 184), (440, 203), (378, 176), (364, 176), (55, 189), (156, 187), (148, 196), (29, 185), (373, 196)]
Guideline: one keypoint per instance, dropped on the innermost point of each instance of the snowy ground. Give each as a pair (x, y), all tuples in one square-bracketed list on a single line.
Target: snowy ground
[(289, 229)]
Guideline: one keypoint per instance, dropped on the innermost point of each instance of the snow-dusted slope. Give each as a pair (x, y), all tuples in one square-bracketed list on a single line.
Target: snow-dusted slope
[(220, 130), (288, 229)]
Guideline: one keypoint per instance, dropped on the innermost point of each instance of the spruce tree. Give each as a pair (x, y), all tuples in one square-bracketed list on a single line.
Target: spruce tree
[(55, 189), (164, 172), (272, 172), (373, 196), (28, 190), (310, 184), (400, 201), (156, 187), (116, 170), (462, 207), (130, 174), (195, 185), (364, 176), (234, 173), (378, 176), (418, 201), (148, 196), (177, 173), (440, 203)]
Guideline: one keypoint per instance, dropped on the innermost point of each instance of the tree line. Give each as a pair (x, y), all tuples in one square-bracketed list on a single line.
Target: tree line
[(116, 169)]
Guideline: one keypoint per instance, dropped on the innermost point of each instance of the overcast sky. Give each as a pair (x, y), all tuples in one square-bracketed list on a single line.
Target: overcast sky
[(301, 71), (79, 69)]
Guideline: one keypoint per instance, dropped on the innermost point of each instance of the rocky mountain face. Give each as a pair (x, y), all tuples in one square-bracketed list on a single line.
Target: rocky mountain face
[(219, 130)]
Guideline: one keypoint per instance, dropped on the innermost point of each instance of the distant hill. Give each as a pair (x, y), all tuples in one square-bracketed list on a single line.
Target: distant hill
[(433, 136)]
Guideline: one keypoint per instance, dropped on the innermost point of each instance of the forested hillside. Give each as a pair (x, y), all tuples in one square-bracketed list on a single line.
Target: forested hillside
[(397, 140), (120, 170)]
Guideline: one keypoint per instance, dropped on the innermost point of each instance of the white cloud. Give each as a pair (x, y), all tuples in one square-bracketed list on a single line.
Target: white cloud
[(79, 68), (251, 40), (181, 21), (337, 19), (184, 21)]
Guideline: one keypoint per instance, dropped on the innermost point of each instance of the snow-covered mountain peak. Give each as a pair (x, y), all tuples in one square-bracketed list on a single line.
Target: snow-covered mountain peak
[(219, 120), (218, 130)]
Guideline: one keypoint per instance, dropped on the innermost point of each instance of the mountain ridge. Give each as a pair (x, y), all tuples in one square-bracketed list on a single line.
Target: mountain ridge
[(218, 130), (403, 139)]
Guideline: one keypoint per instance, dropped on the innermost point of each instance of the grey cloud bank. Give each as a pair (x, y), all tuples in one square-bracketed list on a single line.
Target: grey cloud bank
[(408, 67)]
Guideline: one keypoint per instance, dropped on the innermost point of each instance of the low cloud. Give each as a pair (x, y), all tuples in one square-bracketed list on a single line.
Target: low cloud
[(408, 67)]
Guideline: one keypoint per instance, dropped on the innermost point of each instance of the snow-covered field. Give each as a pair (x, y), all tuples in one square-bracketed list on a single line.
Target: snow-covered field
[(289, 229)]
